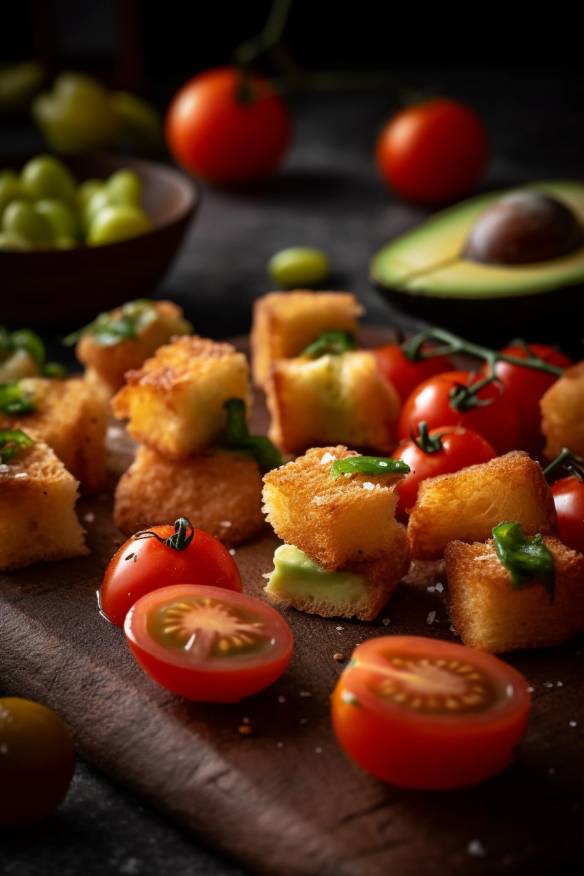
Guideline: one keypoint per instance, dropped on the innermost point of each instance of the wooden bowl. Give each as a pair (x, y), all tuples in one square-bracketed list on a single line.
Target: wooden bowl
[(67, 287)]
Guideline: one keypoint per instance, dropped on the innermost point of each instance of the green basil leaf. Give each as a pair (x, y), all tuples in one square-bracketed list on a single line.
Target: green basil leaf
[(335, 342), (12, 443), (109, 330), (25, 339), (371, 465), (527, 558)]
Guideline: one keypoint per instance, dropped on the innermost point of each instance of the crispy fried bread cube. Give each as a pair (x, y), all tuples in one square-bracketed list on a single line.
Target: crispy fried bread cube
[(175, 402), (334, 521), (285, 323), (333, 399), (489, 614), (218, 491), (467, 505), (71, 417), (37, 509), (161, 320), (562, 409)]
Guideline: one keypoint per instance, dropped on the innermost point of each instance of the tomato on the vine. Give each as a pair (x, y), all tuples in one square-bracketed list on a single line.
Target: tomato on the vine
[(208, 644), (424, 713), (228, 126), (441, 451), (568, 496), (159, 557), (439, 401), (405, 374)]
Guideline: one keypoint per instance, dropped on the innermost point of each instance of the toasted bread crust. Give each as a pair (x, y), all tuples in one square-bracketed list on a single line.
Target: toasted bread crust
[(490, 615), (467, 505), (562, 409)]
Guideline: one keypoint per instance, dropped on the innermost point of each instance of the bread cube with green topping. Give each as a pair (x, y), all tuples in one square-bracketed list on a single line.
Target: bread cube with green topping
[(285, 323), (334, 520), (37, 504), (333, 399), (562, 409), (175, 403), (489, 613)]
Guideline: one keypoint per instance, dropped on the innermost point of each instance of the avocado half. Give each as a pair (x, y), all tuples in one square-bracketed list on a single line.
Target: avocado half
[(425, 273)]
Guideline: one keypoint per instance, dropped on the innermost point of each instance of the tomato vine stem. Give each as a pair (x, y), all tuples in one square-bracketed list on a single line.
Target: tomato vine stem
[(567, 461)]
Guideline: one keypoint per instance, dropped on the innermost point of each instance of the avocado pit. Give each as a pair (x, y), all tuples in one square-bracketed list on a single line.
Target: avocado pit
[(521, 228)]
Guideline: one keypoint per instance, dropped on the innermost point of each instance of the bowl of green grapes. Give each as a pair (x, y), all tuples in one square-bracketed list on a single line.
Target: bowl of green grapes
[(82, 235)]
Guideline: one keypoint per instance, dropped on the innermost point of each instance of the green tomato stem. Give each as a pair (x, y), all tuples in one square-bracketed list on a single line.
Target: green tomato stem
[(569, 462)]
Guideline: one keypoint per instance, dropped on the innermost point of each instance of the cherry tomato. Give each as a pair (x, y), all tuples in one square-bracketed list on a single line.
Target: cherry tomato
[(441, 451), (431, 402), (208, 644), (148, 562), (228, 129), (404, 374), (525, 386), (422, 713), (433, 152), (568, 496)]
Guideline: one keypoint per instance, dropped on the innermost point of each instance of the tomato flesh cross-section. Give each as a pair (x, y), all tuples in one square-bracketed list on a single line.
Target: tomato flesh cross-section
[(422, 713), (208, 644)]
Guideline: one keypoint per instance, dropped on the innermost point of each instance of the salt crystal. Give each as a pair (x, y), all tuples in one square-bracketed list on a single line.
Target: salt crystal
[(281, 699), (327, 457), (559, 683), (530, 689), (476, 848), (368, 485), (439, 587), (573, 723), (386, 621), (226, 524), (89, 517), (232, 551), (339, 629), (431, 617), (305, 693)]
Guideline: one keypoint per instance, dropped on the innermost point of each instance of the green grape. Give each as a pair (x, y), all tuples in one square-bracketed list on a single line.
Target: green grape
[(117, 223), (139, 124), (76, 116), (47, 177), (21, 219), (299, 266), (124, 187), (66, 243), (13, 242), (19, 83), (61, 218), (87, 189), (10, 189), (96, 202)]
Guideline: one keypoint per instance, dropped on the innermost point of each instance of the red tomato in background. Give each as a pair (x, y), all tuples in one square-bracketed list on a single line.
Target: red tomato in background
[(524, 387), (423, 713), (226, 129), (460, 448), (142, 564), (208, 644), (404, 374), (568, 496), (433, 152), (430, 403)]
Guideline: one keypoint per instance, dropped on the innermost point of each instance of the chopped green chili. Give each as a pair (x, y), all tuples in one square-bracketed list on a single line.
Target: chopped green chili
[(526, 557), (12, 443), (14, 400), (109, 329), (371, 465)]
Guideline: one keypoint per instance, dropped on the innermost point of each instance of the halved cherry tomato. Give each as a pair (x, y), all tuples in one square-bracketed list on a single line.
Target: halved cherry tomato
[(568, 496), (495, 417), (159, 558), (404, 374), (438, 452), (208, 644), (422, 713), (525, 386)]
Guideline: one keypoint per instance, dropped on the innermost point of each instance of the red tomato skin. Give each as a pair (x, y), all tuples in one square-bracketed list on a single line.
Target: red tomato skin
[(402, 373), (568, 496), (460, 448), (433, 152), (427, 754), (151, 564), (498, 422), (213, 134)]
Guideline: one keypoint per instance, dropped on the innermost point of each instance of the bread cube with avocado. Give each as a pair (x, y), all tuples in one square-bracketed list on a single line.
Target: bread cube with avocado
[(466, 505), (175, 403), (334, 399), (37, 503), (70, 415), (121, 340), (219, 491), (490, 614), (285, 323), (334, 520), (562, 409)]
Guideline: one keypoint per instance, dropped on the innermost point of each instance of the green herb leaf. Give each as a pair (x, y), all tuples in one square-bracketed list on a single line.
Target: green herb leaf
[(330, 342), (55, 371), (237, 437), (109, 330), (25, 339), (527, 558), (12, 443), (371, 465), (29, 342), (14, 400)]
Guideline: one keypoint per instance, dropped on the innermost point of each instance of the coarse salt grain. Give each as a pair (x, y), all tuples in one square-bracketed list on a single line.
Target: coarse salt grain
[(476, 848), (226, 524), (439, 588), (281, 699), (89, 517), (327, 457), (339, 629), (431, 617), (232, 551), (386, 621), (367, 485), (530, 689), (573, 724), (305, 693)]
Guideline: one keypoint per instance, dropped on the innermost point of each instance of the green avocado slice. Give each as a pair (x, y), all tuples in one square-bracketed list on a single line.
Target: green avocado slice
[(297, 577), (427, 261)]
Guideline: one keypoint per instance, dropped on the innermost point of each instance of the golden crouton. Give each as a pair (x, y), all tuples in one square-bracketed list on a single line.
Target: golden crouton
[(334, 521), (489, 614), (37, 509), (333, 399), (218, 491), (175, 402), (71, 417), (285, 323), (155, 323), (562, 409), (467, 505)]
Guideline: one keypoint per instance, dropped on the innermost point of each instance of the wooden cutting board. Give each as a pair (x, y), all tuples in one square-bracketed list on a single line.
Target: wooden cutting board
[(285, 800)]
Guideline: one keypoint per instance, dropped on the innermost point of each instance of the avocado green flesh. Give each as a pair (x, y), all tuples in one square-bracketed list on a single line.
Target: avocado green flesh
[(427, 261), (295, 576)]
